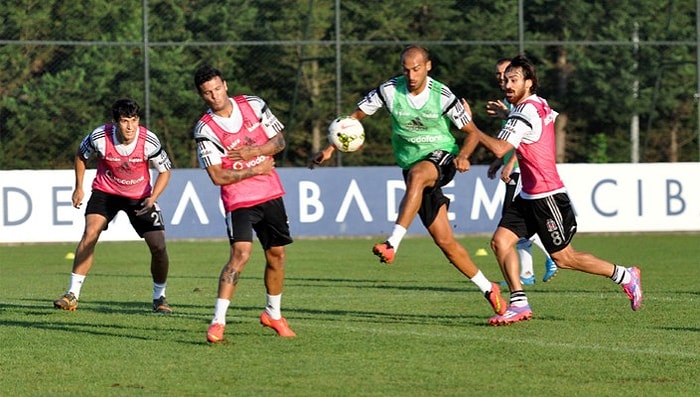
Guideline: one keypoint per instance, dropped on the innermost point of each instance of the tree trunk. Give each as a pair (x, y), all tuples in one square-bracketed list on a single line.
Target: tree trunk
[(315, 85), (673, 148), (560, 130), (564, 70)]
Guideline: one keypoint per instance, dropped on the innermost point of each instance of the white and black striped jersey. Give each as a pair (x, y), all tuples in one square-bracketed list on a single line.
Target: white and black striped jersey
[(94, 143), (209, 147), (383, 96)]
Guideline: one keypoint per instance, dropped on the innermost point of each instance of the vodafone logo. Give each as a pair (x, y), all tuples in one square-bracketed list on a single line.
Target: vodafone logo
[(424, 139), (239, 165)]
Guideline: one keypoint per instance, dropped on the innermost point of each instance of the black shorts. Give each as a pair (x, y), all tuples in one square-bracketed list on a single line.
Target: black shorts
[(511, 188), (433, 198), (552, 218), (108, 205), (269, 220)]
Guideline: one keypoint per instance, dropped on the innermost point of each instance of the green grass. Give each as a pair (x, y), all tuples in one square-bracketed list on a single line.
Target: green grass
[(416, 328)]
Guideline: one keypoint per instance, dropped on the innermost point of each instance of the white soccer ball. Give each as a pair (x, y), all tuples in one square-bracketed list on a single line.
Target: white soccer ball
[(346, 133)]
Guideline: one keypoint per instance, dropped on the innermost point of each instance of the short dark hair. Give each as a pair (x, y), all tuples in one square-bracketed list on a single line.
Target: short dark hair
[(205, 73), (125, 107), (528, 68), (502, 61)]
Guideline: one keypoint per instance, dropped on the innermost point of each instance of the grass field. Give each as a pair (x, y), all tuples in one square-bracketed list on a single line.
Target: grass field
[(416, 328)]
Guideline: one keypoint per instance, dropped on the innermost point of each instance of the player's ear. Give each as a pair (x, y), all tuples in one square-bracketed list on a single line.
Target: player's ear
[(429, 65)]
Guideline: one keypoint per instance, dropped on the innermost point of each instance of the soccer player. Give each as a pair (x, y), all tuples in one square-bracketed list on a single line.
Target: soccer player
[(543, 206), (422, 110), (124, 150), (510, 175), (236, 139)]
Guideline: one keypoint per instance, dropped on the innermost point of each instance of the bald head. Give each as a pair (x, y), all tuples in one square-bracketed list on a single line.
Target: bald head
[(414, 51)]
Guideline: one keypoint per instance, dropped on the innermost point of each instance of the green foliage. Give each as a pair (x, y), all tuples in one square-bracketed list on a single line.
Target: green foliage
[(77, 58), (599, 148), (415, 328)]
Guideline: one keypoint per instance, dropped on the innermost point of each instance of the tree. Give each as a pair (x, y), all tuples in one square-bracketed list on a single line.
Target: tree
[(54, 92)]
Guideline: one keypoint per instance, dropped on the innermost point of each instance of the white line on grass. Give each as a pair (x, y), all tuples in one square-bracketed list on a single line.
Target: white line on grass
[(511, 340)]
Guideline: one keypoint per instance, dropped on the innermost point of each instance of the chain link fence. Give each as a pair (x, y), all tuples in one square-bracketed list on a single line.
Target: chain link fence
[(66, 62)]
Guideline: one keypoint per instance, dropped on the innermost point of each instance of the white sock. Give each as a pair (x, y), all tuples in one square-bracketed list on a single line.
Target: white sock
[(273, 307), (538, 242), (159, 290), (76, 284), (396, 236), (482, 282), (220, 309), (524, 248), (518, 299), (621, 275)]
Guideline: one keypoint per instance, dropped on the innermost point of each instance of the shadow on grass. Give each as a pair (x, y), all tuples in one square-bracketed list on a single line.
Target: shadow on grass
[(684, 329), (88, 320), (403, 285), (93, 328), (85, 328), (104, 307), (249, 314), (244, 321), (386, 317), (144, 275)]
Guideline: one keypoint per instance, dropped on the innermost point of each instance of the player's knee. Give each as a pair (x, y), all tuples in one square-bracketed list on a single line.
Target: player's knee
[(241, 256), (159, 250), (500, 244), (568, 258), (421, 177), (156, 244), (90, 236), (446, 243), (276, 257)]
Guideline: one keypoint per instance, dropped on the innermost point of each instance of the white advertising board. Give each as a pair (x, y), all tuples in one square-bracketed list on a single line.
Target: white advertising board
[(35, 206)]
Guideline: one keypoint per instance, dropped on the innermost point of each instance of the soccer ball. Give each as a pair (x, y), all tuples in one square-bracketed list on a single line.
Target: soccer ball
[(346, 134)]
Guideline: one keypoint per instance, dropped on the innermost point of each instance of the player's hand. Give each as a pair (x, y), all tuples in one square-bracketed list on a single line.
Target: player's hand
[(77, 197), (493, 167), (497, 109), (506, 172), (146, 206), (320, 157), (243, 153), (462, 163), (505, 177)]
